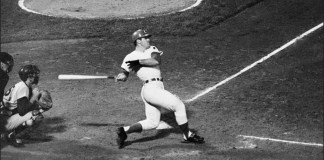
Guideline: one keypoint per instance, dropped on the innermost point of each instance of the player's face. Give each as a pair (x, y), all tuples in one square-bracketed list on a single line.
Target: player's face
[(145, 42), (6, 67), (34, 79)]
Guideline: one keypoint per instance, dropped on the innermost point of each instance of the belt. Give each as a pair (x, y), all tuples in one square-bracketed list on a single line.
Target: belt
[(154, 79)]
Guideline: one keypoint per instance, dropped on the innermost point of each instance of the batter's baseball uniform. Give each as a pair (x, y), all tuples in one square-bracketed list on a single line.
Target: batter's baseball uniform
[(153, 93)]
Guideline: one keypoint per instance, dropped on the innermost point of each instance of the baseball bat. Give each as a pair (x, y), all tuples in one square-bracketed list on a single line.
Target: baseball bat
[(80, 77)]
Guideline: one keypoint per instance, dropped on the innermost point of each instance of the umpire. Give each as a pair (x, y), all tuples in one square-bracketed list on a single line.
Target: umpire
[(7, 63)]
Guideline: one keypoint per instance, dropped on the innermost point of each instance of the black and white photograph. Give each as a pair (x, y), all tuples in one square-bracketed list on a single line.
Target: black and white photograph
[(161, 80)]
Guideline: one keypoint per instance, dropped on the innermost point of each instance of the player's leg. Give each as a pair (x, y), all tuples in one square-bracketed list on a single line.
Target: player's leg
[(163, 98), (15, 125), (152, 121), (153, 116), (16, 120)]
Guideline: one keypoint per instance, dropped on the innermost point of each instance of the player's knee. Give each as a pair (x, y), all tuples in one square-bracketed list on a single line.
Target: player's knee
[(154, 124), (180, 108), (149, 124)]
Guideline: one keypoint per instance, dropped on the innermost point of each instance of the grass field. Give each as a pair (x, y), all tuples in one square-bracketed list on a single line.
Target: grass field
[(280, 98), (20, 26)]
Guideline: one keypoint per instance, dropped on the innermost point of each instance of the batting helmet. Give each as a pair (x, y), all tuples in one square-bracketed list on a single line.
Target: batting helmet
[(28, 71), (7, 59), (140, 34)]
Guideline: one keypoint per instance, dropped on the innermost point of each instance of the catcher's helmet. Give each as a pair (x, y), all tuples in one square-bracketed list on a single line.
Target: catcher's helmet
[(7, 59), (140, 34), (28, 71)]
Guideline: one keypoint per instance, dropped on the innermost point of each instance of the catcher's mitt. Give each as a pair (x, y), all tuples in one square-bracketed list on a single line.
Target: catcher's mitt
[(45, 101)]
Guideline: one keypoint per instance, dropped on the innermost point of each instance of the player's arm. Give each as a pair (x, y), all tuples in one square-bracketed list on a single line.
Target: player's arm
[(149, 62), (153, 61), (24, 106), (124, 73)]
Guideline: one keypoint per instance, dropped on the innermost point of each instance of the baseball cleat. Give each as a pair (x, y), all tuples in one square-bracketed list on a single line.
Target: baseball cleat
[(14, 141), (121, 137), (194, 139)]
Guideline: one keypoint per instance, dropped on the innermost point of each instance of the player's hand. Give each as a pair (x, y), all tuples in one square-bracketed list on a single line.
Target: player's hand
[(36, 91), (121, 77), (35, 94), (35, 112)]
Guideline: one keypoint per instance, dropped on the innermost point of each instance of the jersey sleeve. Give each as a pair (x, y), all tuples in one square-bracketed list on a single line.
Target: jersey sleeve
[(22, 92), (124, 64), (16, 92)]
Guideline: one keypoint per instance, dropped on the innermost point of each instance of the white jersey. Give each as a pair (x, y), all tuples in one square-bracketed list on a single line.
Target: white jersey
[(16, 92), (144, 73)]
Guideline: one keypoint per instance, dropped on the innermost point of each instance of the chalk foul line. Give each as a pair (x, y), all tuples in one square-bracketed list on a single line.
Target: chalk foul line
[(278, 140), (255, 63)]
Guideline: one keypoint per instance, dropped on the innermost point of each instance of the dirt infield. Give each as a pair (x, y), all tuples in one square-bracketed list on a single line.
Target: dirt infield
[(281, 98), (106, 9)]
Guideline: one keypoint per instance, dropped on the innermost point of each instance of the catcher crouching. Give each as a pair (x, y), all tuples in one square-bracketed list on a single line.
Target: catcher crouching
[(23, 104)]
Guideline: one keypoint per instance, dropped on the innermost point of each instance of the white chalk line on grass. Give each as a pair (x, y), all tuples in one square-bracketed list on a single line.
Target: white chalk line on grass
[(255, 63), (283, 141)]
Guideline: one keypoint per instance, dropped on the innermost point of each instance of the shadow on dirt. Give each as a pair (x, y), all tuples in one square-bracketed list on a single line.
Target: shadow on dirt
[(38, 133), (158, 135), (100, 124), (167, 117), (246, 154)]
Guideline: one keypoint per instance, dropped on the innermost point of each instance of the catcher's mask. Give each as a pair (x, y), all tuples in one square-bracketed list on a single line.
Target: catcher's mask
[(29, 71), (140, 34)]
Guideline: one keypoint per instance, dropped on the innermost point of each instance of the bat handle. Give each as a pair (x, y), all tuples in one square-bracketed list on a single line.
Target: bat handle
[(111, 77)]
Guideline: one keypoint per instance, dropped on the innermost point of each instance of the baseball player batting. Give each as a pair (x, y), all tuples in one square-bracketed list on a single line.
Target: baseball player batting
[(145, 62)]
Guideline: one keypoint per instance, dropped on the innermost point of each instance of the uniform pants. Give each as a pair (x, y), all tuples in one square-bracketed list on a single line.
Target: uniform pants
[(156, 97), (16, 120)]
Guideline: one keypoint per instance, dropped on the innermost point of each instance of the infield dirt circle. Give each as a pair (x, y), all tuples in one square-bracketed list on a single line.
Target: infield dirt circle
[(85, 9)]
